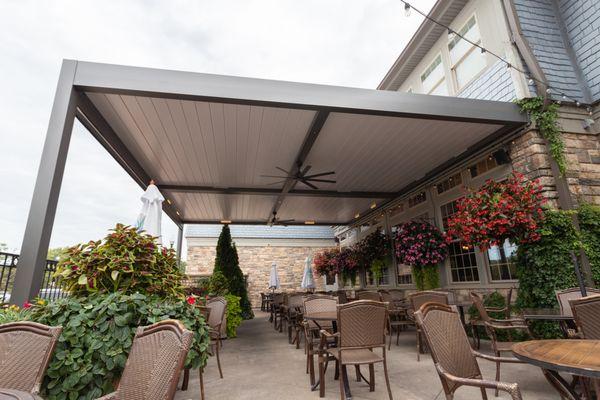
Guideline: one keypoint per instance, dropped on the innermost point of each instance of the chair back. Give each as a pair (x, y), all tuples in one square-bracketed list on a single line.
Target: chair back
[(447, 340), (427, 296), (342, 297), (155, 361), (295, 301), (587, 316), (397, 294), (25, 351), (369, 295), (277, 299), (362, 324), (478, 303), (217, 306), (319, 303), (564, 296)]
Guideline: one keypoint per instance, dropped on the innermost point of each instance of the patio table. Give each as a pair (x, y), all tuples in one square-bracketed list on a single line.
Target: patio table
[(10, 394), (566, 322), (331, 316), (575, 357)]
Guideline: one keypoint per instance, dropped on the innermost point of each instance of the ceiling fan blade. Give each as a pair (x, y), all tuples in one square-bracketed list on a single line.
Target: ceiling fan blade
[(319, 174), (322, 180), (284, 171), (273, 176), (276, 183), (305, 170), (310, 185)]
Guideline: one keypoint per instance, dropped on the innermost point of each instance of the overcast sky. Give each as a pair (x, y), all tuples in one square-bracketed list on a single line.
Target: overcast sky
[(344, 42)]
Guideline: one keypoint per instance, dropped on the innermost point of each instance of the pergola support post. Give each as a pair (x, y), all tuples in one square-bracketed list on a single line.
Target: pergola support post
[(179, 244), (34, 250)]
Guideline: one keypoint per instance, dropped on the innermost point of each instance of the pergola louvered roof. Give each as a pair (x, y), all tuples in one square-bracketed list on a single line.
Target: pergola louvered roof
[(207, 140)]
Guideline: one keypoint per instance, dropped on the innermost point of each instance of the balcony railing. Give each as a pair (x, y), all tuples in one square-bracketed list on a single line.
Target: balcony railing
[(51, 288)]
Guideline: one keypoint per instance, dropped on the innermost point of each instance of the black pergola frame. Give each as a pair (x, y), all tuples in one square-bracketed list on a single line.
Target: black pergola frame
[(78, 78)]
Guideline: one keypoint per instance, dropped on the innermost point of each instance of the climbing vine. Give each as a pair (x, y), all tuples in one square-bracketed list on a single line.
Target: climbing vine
[(546, 119)]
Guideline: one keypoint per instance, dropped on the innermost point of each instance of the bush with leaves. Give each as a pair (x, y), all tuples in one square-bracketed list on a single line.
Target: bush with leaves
[(125, 260), (234, 314), (546, 266), (97, 335)]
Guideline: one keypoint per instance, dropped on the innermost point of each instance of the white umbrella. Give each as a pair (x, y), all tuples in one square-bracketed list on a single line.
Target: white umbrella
[(150, 216), (308, 281), (274, 278)]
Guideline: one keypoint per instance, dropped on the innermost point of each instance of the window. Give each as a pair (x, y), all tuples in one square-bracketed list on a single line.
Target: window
[(483, 166), (433, 78), (449, 183), (502, 261), (384, 280), (466, 59), (463, 265), (404, 275), (417, 199), (448, 210)]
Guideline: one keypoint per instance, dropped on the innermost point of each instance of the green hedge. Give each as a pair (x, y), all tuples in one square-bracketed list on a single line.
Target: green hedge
[(546, 266)]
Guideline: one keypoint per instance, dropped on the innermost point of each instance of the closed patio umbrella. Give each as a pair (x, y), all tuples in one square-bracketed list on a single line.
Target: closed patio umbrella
[(308, 281), (150, 216), (274, 278)]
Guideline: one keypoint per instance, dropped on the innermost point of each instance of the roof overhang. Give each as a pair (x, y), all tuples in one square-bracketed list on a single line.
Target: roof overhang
[(208, 139)]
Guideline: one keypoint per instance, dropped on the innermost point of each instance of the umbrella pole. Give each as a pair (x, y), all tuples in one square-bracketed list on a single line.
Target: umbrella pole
[(580, 279)]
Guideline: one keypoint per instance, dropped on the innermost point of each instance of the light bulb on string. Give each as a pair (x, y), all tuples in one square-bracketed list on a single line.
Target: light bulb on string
[(407, 9), (577, 103), (450, 34), (483, 50), (548, 91), (530, 81)]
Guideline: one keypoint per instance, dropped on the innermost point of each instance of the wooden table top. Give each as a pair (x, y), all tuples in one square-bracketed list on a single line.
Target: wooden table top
[(577, 357), (322, 316)]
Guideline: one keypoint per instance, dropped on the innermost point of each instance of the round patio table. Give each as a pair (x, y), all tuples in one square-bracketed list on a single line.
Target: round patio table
[(575, 357), (10, 394)]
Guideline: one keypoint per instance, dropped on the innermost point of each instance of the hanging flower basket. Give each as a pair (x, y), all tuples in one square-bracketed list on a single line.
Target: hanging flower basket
[(325, 263), (498, 211), (373, 251), (347, 264), (422, 246)]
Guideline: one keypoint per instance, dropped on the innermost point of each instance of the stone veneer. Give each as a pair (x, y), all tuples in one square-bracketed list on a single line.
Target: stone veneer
[(256, 257)]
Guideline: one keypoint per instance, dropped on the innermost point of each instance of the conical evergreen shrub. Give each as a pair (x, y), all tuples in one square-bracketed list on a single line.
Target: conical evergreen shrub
[(228, 264)]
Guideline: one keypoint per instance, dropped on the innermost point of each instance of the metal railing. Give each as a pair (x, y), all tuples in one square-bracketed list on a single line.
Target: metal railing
[(51, 288)]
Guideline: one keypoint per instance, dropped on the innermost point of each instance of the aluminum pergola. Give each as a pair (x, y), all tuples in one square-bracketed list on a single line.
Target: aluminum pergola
[(208, 140)]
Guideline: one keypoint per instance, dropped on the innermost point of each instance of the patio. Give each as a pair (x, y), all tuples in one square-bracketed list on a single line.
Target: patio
[(260, 364)]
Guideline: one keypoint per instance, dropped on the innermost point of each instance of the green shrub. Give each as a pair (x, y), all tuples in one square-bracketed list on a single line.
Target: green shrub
[(97, 335), (13, 314), (218, 284), (546, 266), (234, 314), (125, 260)]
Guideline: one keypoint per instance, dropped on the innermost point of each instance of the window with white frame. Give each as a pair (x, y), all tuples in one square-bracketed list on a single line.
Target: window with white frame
[(467, 61), (463, 263), (503, 261), (433, 78)]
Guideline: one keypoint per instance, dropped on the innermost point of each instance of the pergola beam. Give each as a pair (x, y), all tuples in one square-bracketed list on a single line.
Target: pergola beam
[(268, 191), (262, 222)]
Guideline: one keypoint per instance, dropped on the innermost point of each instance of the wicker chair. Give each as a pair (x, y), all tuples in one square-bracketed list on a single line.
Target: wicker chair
[(361, 329), (493, 326), (218, 306), (293, 314), (25, 351), (369, 295), (397, 317), (454, 359), (416, 301), (586, 312), (155, 361), (276, 311), (477, 322), (565, 296), (313, 304)]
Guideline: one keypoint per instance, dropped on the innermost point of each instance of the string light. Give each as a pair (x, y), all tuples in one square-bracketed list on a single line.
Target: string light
[(451, 34)]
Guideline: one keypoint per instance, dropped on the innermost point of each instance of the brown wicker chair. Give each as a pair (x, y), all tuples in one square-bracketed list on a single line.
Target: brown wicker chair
[(586, 312), (565, 296), (477, 322), (218, 306), (397, 317), (369, 295), (493, 326), (312, 304), (361, 328), (293, 314), (25, 351), (454, 359), (276, 310), (155, 361), (416, 301)]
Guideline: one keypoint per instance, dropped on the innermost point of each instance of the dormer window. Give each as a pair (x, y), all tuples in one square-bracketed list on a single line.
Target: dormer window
[(433, 78), (467, 60)]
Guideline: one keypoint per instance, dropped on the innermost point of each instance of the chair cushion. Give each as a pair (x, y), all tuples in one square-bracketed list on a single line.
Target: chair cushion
[(358, 356)]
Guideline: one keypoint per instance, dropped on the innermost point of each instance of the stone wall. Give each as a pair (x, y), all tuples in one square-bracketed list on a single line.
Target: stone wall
[(255, 262)]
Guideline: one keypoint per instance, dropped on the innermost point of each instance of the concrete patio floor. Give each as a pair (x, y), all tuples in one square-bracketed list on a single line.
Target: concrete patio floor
[(260, 364)]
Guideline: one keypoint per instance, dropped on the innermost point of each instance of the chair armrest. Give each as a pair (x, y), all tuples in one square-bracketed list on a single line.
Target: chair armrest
[(573, 334), (326, 336), (494, 358), (110, 396), (508, 321), (510, 388), (496, 309), (506, 327)]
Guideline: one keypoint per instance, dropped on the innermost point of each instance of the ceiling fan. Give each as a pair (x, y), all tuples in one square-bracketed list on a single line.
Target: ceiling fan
[(277, 221), (302, 177)]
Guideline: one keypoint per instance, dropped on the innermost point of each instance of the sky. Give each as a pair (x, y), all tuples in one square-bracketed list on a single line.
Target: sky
[(337, 42)]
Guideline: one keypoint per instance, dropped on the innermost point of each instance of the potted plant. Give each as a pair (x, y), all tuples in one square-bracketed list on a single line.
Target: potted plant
[(422, 246), (373, 252), (347, 264), (326, 264)]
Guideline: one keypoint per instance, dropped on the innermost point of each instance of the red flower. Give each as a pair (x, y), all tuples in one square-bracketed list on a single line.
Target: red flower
[(27, 305), (191, 300)]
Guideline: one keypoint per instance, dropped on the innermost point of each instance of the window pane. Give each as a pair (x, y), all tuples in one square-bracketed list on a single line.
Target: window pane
[(463, 264), (502, 261), (441, 89), (469, 67), (433, 75)]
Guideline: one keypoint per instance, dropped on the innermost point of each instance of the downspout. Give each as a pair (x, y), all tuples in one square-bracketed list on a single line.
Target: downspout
[(562, 188)]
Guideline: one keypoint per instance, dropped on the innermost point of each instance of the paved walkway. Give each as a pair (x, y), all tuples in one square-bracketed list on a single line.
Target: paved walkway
[(260, 364)]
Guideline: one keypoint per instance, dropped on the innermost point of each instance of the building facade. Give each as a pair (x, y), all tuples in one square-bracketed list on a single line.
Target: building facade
[(258, 247)]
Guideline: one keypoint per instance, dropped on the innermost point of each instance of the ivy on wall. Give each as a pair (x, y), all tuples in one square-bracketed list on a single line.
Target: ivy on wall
[(546, 119)]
